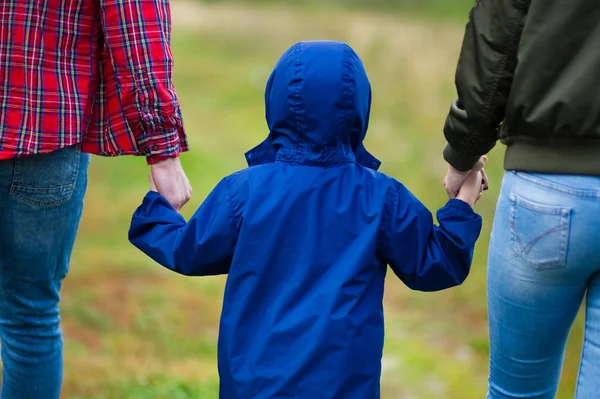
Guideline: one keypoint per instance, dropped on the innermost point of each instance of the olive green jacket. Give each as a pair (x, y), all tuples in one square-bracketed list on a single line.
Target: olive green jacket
[(529, 75)]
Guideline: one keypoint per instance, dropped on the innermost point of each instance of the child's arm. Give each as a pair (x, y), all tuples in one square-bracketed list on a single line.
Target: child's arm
[(424, 256), (203, 246)]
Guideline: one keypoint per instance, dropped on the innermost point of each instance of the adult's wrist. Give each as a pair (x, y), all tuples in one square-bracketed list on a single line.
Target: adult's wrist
[(460, 162)]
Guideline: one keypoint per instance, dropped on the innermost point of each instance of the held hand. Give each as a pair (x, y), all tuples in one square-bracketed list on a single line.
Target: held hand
[(169, 180), (454, 180), (474, 184)]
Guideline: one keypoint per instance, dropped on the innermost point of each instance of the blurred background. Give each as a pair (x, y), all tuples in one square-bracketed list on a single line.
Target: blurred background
[(135, 330)]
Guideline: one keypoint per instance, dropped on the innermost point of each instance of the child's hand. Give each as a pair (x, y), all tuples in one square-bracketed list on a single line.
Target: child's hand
[(475, 183)]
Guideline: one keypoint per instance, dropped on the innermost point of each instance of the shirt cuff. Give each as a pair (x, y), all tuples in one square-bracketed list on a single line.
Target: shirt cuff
[(159, 146), (154, 159)]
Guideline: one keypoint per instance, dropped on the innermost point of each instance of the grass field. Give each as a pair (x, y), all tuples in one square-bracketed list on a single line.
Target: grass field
[(134, 330)]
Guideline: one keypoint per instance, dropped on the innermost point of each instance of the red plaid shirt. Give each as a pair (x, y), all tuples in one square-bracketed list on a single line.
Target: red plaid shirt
[(97, 73)]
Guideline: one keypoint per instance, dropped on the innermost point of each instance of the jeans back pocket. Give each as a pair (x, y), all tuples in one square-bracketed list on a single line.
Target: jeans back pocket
[(46, 179), (539, 234)]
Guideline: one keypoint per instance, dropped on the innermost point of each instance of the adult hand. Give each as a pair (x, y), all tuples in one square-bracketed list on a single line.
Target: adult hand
[(169, 180), (455, 178)]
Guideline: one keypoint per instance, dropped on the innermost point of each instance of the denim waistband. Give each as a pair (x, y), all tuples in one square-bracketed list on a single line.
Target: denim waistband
[(578, 185)]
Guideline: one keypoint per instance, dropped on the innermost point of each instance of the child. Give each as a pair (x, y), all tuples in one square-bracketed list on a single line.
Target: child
[(305, 235)]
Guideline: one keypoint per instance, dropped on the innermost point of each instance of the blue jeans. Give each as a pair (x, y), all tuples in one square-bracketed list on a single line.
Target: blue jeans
[(544, 257), (41, 200)]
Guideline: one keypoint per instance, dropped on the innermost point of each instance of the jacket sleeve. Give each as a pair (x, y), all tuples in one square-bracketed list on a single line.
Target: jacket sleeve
[(138, 35), (201, 247), (424, 256), (484, 76)]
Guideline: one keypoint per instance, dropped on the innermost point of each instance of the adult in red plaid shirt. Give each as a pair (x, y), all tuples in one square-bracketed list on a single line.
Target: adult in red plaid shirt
[(77, 77)]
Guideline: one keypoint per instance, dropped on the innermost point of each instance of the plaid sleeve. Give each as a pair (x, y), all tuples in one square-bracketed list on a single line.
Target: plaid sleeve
[(138, 37)]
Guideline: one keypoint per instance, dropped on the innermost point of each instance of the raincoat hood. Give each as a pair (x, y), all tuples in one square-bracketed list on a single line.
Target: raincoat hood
[(317, 101)]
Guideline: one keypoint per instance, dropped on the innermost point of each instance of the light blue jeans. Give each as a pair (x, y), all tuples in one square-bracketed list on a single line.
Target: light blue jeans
[(41, 200), (544, 257)]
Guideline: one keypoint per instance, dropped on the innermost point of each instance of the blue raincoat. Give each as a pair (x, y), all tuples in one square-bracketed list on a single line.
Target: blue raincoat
[(305, 235)]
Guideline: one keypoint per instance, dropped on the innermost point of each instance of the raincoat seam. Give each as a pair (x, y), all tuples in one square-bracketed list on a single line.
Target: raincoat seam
[(231, 208), (299, 144), (319, 165), (392, 197), (347, 92)]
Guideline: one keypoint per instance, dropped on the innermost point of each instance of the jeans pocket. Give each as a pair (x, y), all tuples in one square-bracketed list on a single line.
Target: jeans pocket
[(539, 234), (46, 180)]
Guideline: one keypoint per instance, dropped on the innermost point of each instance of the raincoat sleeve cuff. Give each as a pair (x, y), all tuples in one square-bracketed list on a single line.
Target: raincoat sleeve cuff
[(460, 221), (154, 205), (460, 206)]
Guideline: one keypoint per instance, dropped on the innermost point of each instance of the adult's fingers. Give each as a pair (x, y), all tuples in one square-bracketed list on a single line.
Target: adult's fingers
[(485, 180), (480, 164)]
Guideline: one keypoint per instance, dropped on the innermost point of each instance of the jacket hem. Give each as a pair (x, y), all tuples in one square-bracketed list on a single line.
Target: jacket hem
[(557, 156)]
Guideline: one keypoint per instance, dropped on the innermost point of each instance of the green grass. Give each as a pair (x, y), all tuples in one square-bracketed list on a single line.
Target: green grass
[(134, 330)]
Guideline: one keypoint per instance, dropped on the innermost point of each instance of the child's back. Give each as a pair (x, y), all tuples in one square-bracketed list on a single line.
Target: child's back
[(306, 235)]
